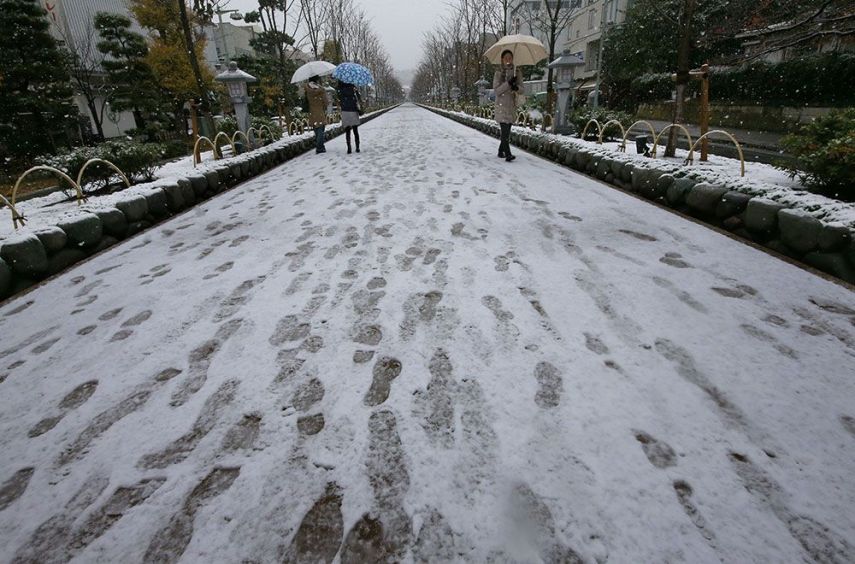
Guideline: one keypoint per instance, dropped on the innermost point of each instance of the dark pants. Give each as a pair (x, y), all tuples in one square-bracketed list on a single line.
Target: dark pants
[(319, 138), (505, 143), (355, 136)]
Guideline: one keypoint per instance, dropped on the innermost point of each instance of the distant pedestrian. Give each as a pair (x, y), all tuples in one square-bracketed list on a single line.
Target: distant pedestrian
[(317, 97), (351, 109), (506, 82)]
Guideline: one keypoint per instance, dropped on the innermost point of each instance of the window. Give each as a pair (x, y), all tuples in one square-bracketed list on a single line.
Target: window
[(592, 53), (611, 8), (592, 18)]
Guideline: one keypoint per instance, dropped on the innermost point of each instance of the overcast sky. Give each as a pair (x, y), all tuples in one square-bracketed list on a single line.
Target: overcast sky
[(399, 23)]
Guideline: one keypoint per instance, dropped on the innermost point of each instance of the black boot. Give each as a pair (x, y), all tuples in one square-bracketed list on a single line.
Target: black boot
[(501, 154), (510, 157)]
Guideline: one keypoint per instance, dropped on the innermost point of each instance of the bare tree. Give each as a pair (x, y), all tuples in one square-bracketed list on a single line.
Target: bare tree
[(314, 16), (454, 49), (822, 20), (88, 76), (551, 17)]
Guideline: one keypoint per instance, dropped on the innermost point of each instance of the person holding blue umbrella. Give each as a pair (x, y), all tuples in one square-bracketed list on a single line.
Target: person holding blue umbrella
[(351, 108), (350, 76)]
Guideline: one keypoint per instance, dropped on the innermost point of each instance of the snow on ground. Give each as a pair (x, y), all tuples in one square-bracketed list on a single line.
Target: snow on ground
[(760, 179), (422, 352)]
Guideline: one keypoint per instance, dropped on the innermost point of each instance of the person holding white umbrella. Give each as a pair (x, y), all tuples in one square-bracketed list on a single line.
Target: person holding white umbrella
[(508, 80), (316, 96), (506, 83)]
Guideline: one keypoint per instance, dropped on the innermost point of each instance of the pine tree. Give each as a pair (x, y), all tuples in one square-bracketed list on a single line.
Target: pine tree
[(134, 85), (35, 91)]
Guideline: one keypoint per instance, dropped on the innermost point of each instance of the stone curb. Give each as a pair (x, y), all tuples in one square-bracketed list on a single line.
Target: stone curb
[(789, 231)]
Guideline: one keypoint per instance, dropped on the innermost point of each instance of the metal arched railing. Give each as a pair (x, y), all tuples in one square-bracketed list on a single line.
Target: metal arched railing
[(729, 136), (245, 138), (108, 163), (587, 125), (220, 135), (197, 158), (606, 126), (629, 129), (16, 217), (691, 156)]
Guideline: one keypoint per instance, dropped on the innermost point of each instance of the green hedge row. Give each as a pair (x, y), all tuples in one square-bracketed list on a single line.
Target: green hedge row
[(138, 161), (826, 80)]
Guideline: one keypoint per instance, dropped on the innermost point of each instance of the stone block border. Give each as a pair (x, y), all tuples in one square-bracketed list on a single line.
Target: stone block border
[(26, 260), (791, 232)]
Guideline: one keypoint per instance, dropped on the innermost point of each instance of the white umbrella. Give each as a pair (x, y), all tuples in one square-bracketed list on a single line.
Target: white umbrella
[(527, 50), (314, 68)]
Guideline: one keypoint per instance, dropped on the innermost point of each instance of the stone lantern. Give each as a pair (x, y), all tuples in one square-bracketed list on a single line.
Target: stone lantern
[(564, 67), (482, 85), (236, 81)]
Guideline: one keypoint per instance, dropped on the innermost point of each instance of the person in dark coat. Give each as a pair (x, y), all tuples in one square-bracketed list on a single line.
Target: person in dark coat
[(351, 104), (507, 82)]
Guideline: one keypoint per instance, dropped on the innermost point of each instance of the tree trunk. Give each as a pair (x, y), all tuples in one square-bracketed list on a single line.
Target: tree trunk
[(180, 120), (207, 121), (99, 128), (684, 51), (139, 120)]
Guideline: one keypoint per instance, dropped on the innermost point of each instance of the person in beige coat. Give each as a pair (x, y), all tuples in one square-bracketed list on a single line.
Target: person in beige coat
[(317, 97), (506, 82)]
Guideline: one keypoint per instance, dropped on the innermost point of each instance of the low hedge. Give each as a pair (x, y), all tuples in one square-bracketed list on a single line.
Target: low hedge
[(826, 80), (138, 161)]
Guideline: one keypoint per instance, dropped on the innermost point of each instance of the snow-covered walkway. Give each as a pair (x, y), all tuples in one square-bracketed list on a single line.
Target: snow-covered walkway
[(421, 352)]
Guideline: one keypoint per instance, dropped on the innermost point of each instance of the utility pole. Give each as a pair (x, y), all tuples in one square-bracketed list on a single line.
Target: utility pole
[(705, 111), (600, 53), (236, 15)]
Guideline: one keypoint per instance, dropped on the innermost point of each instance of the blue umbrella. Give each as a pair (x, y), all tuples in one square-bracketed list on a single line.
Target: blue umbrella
[(353, 73)]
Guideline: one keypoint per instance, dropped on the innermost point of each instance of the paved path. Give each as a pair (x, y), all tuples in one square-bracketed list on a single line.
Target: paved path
[(421, 352)]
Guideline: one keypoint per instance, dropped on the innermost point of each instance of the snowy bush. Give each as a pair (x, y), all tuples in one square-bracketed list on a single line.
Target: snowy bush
[(582, 116), (138, 161), (257, 122), (825, 155), (228, 125)]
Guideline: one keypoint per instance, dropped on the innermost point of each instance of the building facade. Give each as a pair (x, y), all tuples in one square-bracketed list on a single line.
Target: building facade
[(72, 26), (777, 43), (528, 16), (585, 23), (227, 41), (585, 32)]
